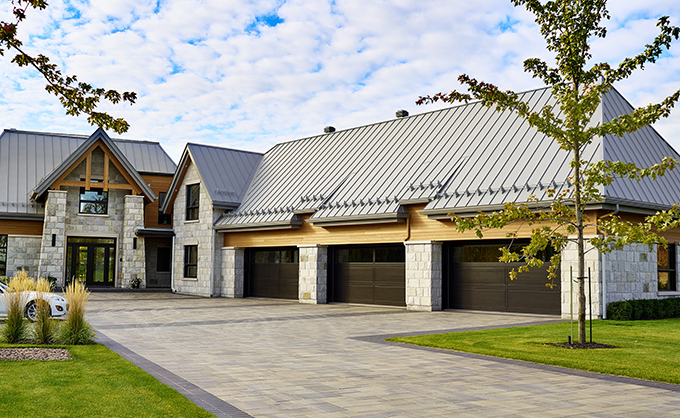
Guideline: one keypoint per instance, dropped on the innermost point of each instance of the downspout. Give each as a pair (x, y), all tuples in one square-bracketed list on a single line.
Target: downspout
[(212, 257), (172, 268)]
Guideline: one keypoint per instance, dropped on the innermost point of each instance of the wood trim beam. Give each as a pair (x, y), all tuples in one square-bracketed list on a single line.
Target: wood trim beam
[(88, 170), (74, 183), (106, 172)]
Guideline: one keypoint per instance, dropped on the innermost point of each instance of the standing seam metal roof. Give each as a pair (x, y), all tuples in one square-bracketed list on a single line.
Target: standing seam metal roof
[(460, 157)]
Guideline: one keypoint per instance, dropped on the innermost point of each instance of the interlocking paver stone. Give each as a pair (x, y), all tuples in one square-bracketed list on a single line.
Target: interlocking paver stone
[(274, 358)]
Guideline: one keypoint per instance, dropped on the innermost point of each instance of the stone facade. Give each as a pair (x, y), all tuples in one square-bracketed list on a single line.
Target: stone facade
[(313, 277), (23, 253), (569, 272), (423, 275), (200, 233), (133, 265), (232, 278), (52, 257)]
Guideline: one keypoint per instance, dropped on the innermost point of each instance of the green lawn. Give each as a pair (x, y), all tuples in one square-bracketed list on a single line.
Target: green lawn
[(96, 383), (646, 349)]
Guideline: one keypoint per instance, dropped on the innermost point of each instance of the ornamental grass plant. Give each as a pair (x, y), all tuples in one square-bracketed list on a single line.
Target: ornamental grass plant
[(16, 327), (75, 329), (45, 327)]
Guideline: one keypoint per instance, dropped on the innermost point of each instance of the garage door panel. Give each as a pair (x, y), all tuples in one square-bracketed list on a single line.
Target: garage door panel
[(483, 275), (273, 273), (534, 301), (382, 281), (480, 298)]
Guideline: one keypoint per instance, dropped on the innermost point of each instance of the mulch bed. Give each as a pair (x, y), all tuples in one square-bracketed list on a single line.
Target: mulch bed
[(583, 346), (34, 353)]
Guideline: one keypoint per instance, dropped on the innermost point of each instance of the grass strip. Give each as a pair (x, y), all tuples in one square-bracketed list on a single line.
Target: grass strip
[(647, 350), (96, 383)]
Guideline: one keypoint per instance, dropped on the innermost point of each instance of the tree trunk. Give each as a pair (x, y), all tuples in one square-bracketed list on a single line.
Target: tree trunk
[(580, 245)]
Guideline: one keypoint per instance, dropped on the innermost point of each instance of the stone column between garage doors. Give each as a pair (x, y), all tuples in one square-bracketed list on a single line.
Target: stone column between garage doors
[(233, 259), (423, 275), (313, 278)]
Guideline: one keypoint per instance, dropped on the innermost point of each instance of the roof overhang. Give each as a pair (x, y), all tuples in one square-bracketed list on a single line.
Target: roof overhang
[(155, 232), (262, 226), (22, 216), (381, 218)]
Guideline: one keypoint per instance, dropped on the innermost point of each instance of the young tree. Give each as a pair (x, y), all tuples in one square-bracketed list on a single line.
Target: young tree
[(578, 87), (76, 97)]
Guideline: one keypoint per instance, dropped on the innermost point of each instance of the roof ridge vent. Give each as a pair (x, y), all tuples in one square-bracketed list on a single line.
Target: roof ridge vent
[(329, 129), (401, 113)]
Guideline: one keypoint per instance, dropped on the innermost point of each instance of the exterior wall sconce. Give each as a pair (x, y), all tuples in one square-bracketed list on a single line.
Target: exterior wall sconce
[(54, 240), (134, 243)]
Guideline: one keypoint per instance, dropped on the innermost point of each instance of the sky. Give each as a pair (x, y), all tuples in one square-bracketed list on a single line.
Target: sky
[(250, 74)]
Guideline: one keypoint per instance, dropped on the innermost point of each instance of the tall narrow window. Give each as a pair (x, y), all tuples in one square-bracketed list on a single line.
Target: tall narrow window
[(193, 191), (666, 267), (94, 201), (191, 261), (3, 255), (163, 218)]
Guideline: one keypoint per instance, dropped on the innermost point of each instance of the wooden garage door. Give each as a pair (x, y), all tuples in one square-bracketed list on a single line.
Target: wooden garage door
[(477, 281), (372, 275), (272, 273)]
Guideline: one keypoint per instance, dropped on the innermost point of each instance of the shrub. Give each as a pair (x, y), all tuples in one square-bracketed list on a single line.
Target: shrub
[(75, 330), (53, 282), (44, 328), (644, 309), (135, 283), (16, 327)]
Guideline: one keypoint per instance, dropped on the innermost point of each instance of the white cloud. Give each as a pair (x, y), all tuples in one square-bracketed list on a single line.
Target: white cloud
[(209, 72)]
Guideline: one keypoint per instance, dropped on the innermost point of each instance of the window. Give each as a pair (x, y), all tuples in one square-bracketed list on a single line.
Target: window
[(193, 191), (94, 201), (3, 255), (163, 256), (191, 261), (665, 258), (163, 218), (276, 257)]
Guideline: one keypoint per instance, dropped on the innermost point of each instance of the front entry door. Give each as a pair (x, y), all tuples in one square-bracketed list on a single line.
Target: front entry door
[(91, 260)]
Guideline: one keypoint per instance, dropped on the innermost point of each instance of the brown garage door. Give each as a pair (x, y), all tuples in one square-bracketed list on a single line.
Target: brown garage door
[(272, 273), (374, 275), (476, 281)]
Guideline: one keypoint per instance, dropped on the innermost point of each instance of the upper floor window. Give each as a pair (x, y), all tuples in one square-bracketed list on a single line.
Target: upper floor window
[(3, 255), (665, 258), (193, 191), (163, 218), (94, 201)]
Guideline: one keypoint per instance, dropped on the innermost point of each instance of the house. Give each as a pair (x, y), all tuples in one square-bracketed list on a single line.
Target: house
[(82, 207), (354, 216)]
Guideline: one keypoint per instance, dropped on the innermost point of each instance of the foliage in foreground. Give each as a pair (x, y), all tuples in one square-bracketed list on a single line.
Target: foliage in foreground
[(96, 383), (15, 329), (45, 326), (647, 350), (643, 309), (75, 329), (578, 84)]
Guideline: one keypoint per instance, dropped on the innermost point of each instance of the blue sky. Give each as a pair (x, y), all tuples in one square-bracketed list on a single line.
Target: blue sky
[(249, 74)]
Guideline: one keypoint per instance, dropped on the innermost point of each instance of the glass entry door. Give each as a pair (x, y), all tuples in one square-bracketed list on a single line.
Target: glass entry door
[(91, 260)]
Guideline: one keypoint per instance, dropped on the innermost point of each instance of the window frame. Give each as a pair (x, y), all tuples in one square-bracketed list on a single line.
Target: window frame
[(96, 203), (188, 264), (192, 211), (671, 270)]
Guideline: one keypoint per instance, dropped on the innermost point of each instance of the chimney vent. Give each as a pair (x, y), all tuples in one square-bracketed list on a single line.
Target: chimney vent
[(402, 113), (329, 129)]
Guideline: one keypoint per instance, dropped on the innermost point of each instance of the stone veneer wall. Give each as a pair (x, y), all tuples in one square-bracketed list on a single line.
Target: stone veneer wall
[(631, 273), (423, 275), (52, 259), (233, 260), (134, 262), (23, 253), (313, 278), (570, 260), (199, 232)]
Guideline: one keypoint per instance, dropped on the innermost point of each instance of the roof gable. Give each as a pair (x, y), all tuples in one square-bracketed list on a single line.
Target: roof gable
[(226, 173), (113, 155)]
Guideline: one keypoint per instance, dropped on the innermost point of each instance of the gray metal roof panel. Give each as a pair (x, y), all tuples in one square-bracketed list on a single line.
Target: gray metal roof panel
[(463, 156), (226, 173)]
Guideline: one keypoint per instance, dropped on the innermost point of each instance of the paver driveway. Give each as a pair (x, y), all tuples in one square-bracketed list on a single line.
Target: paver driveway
[(277, 358)]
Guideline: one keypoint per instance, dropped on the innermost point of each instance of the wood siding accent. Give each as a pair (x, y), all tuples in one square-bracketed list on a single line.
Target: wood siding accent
[(417, 228), (20, 227), (672, 236), (158, 183)]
